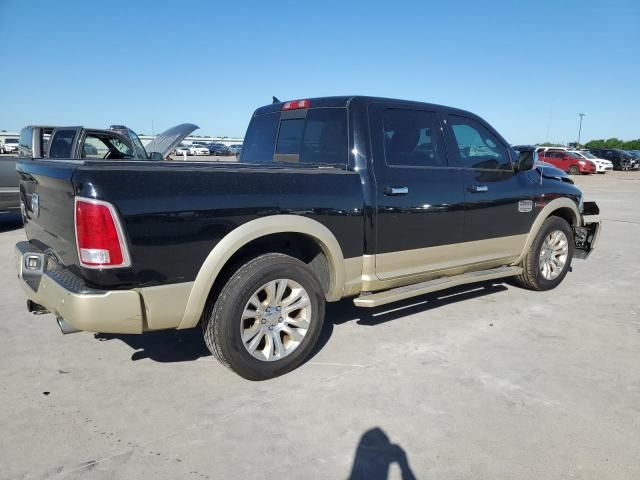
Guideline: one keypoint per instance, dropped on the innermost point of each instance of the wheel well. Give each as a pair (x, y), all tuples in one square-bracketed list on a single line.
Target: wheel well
[(566, 214), (298, 245)]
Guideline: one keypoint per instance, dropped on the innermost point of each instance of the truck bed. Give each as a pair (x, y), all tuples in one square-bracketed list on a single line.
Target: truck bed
[(175, 212)]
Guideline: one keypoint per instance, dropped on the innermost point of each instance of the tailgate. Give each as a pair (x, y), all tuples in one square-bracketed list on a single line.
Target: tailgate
[(47, 193)]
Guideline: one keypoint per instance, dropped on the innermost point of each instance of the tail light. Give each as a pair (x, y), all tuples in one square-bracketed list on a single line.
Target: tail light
[(99, 236)]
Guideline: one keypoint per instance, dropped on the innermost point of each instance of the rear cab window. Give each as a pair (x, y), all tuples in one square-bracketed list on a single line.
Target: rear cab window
[(313, 137)]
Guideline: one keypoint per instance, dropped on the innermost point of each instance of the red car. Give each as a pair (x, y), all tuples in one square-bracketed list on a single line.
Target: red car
[(567, 161)]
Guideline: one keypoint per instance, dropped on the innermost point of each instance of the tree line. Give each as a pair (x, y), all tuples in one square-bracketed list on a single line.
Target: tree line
[(614, 143)]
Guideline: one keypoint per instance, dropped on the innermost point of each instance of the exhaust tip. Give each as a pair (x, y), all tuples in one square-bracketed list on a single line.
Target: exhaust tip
[(65, 327)]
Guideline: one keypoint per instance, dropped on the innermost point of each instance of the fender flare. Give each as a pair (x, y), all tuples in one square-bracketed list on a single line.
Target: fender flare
[(545, 213), (242, 235)]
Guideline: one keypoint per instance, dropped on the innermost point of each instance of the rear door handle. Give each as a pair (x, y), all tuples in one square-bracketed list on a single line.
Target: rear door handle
[(478, 188), (396, 190)]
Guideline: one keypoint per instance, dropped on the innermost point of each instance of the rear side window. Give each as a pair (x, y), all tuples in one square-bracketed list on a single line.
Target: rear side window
[(259, 142), (61, 144), (412, 138), (26, 135), (319, 138), (477, 146)]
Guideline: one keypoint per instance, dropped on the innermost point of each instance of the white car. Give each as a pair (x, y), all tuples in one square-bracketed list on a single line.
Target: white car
[(235, 148), (181, 150), (11, 145), (602, 165), (196, 149)]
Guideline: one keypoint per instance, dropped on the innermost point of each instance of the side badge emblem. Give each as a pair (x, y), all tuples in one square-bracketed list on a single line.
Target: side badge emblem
[(525, 206), (35, 205)]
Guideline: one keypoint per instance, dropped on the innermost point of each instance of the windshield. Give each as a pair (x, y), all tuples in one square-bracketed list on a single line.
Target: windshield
[(11, 140), (588, 155)]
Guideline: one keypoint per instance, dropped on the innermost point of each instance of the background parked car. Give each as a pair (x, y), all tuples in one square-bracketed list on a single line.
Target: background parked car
[(567, 161), (196, 149), (636, 156), (602, 165), (218, 149), (11, 145), (235, 149), (621, 160), (181, 150)]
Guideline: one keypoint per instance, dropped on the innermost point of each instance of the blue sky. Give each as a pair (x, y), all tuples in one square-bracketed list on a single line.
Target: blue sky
[(528, 68)]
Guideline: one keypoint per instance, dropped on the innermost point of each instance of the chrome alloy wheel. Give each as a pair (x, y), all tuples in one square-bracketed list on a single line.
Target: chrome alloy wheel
[(275, 320), (553, 254)]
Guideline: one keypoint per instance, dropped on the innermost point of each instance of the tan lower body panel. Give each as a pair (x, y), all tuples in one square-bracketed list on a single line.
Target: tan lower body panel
[(164, 305), (114, 311), (411, 262), (419, 265)]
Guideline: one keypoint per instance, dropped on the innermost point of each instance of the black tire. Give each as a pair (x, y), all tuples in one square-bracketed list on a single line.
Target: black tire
[(221, 321), (574, 170), (532, 278)]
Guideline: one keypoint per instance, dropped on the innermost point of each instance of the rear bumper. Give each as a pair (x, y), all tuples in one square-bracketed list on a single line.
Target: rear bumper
[(66, 296)]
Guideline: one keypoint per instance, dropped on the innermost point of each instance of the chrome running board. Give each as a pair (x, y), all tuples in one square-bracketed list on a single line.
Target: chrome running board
[(400, 293)]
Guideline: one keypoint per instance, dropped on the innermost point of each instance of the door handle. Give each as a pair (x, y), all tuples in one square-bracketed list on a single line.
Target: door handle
[(396, 190), (478, 188)]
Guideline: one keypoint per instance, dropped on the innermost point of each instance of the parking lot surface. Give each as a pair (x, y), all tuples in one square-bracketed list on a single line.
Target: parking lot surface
[(484, 382)]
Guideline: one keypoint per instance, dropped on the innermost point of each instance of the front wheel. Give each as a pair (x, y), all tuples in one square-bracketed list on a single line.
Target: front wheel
[(549, 258), (574, 170), (267, 318)]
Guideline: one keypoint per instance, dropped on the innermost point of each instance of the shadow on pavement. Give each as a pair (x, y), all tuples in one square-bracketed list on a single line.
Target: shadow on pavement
[(188, 345), (10, 221), (375, 454), (345, 311), (164, 345)]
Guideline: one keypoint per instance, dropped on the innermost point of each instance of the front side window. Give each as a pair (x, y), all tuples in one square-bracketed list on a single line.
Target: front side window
[(477, 146), (412, 139), (94, 148), (103, 146)]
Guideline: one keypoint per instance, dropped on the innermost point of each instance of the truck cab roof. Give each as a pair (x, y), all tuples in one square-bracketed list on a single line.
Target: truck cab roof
[(348, 100)]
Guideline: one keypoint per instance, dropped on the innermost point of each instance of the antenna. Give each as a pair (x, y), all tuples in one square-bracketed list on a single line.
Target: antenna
[(275, 100)]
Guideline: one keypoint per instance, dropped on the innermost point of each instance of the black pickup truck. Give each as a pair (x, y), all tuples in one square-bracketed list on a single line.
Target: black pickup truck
[(371, 198)]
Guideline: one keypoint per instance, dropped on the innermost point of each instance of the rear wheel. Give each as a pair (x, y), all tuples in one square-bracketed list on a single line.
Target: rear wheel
[(549, 257), (267, 318)]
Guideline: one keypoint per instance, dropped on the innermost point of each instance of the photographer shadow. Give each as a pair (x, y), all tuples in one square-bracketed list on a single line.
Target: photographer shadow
[(374, 456)]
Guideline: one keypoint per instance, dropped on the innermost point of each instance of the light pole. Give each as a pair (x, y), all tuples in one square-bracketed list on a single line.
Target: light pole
[(580, 128)]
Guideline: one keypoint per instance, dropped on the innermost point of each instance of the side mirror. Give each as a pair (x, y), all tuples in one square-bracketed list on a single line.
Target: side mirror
[(156, 156), (527, 159)]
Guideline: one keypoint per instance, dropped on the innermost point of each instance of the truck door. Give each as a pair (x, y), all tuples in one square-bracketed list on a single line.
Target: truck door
[(499, 208), (419, 211)]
